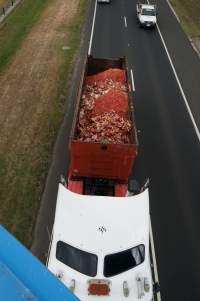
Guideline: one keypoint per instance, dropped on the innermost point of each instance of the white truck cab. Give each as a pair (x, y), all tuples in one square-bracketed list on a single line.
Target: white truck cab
[(146, 14), (100, 246)]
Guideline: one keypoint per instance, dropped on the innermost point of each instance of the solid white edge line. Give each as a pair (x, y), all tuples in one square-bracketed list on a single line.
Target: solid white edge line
[(92, 31), (132, 80), (177, 18), (154, 258), (179, 84), (193, 45), (171, 7), (125, 21)]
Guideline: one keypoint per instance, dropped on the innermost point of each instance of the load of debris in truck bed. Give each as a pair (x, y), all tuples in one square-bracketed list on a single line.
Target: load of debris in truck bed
[(103, 114)]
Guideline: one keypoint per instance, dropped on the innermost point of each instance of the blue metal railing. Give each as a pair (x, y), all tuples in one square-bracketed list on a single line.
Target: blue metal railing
[(24, 277)]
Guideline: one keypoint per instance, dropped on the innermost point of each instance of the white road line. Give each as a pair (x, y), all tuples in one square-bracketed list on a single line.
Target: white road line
[(154, 259), (179, 84), (125, 21), (92, 31), (177, 18), (180, 87), (132, 80)]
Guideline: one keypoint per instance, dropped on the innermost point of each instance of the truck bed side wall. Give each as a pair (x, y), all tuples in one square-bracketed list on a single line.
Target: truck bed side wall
[(92, 159)]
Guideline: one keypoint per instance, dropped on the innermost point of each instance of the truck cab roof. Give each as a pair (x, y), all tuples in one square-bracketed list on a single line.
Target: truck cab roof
[(147, 9), (101, 223)]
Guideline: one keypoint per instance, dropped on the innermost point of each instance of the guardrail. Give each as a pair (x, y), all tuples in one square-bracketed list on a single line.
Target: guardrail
[(7, 7)]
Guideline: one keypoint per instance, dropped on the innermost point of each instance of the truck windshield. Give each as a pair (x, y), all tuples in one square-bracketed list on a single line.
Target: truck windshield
[(81, 261), (148, 12), (117, 263)]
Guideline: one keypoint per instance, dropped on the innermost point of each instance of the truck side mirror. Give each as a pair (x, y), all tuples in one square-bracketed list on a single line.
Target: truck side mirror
[(156, 287), (134, 186)]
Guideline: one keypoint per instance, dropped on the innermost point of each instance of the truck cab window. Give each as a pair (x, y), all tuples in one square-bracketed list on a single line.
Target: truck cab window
[(148, 12), (81, 261), (117, 263)]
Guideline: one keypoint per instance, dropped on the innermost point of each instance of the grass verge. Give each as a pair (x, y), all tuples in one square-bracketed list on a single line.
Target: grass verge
[(189, 14), (16, 27), (23, 172)]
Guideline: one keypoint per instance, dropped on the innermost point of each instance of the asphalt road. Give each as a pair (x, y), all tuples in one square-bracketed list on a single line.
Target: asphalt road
[(169, 148)]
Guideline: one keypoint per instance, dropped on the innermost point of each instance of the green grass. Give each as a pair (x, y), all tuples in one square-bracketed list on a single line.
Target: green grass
[(21, 184), (23, 173), (17, 26), (189, 14)]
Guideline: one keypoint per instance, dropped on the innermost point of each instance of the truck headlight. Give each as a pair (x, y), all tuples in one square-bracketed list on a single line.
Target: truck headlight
[(146, 285)]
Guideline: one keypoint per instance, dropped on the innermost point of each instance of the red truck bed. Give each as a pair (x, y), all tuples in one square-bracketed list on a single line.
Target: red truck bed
[(102, 160)]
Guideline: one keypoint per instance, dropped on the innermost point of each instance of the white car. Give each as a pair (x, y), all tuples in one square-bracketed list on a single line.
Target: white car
[(146, 14)]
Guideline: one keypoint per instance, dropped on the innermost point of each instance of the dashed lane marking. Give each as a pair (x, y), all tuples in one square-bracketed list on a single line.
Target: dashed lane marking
[(132, 80), (125, 22)]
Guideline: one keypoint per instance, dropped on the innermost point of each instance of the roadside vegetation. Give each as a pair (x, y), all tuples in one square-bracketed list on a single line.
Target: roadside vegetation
[(15, 28), (26, 145), (3, 2), (189, 14)]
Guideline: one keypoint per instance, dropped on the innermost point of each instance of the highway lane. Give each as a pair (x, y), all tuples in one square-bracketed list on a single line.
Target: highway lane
[(109, 26), (186, 61), (169, 148)]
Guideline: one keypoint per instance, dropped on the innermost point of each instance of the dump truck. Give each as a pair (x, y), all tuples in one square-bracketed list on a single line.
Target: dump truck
[(96, 159), (100, 238)]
